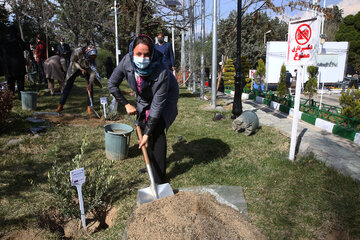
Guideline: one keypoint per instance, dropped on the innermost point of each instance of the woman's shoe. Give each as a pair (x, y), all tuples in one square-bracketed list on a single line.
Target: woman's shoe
[(59, 108)]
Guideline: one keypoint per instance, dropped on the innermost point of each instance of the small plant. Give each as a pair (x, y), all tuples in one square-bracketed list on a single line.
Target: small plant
[(99, 180), (282, 83), (311, 84), (6, 104), (260, 73), (350, 103)]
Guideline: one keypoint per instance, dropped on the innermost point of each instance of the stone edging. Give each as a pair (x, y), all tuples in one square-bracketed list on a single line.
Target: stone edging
[(318, 122)]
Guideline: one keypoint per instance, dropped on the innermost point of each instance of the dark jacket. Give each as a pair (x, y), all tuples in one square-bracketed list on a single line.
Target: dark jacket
[(12, 53), (160, 95), (40, 51), (168, 54), (64, 50)]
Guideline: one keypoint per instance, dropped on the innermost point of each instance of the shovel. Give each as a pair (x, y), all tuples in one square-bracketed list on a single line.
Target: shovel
[(154, 191), (92, 105)]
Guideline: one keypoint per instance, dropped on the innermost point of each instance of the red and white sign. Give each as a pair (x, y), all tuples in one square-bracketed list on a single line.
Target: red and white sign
[(252, 73), (303, 42)]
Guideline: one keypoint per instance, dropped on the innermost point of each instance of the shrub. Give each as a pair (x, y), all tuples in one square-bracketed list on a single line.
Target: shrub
[(350, 103), (103, 54), (6, 104), (99, 180), (229, 73), (282, 83), (311, 84), (260, 72)]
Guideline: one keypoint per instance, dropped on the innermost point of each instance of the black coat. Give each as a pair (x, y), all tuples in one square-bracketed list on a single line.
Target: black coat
[(12, 54), (64, 50)]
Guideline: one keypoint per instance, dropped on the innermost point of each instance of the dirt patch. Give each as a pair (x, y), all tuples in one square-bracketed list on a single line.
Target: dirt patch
[(35, 234), (189, 216), (52, 219), (74, 120)]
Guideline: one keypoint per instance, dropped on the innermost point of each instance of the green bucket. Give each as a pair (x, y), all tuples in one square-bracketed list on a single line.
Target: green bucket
[(28, 100), (117, 139)]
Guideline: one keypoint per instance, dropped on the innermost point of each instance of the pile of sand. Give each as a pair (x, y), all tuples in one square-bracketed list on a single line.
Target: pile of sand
[(189, 216)]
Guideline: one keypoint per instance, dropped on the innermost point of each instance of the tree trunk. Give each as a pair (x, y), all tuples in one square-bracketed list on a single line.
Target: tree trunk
[(139, 8)]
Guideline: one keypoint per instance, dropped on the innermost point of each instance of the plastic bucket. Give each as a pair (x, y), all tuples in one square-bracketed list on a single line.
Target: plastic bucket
[(28, 100), (117, 139)]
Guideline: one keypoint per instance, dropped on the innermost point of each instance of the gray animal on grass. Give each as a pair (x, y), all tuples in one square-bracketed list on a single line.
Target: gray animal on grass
[(247, 122)]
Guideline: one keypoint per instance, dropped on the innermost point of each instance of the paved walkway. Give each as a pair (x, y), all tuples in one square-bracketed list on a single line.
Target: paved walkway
[(336, 152)]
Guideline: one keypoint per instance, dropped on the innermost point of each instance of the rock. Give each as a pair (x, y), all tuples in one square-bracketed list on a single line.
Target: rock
[(13, 142), (111, 216), (247, 122)]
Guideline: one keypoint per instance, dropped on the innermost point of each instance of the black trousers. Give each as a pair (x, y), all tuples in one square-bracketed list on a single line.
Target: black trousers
[(41, 73), (157, 152), (11, 84), (68, 86)]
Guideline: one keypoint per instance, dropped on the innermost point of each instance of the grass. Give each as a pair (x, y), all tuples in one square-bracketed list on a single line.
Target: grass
[(301, 200)]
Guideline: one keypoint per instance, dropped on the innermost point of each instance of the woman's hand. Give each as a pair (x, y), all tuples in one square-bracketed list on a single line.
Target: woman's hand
[(130, 109), (83, 71), (144, 141)]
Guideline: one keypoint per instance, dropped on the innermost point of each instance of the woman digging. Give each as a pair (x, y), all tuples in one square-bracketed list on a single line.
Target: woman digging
[(82, 61), (157, 93)]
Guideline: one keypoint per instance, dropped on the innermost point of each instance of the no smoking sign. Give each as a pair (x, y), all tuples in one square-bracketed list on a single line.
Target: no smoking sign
[(303, 34), (303, 44)]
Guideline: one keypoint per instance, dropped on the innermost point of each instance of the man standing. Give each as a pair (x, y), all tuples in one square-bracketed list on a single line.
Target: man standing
[(40, 53), (63, 49), (12, 52), (166, 49), (288, 81)]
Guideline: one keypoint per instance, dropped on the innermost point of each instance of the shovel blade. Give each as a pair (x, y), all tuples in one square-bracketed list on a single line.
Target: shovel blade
[(93, 110), (146, 194)]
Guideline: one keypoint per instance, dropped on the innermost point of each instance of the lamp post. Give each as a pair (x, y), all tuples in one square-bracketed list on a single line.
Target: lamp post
[(214, 56), (322, 41), (172, 5), (265, 36), (117, 51)]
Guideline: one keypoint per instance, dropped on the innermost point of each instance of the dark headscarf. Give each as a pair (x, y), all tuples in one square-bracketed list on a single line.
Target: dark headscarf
[(154, 59)]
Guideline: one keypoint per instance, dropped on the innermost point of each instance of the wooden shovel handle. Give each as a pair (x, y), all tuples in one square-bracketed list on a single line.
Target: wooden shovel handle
[(143, 148)]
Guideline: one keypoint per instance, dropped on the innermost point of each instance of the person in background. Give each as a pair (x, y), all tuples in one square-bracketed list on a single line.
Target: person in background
[(55, 69), (109, 67), (63, 49), (40, 57), (12, 49), (354, 80), (82, 62), (166, 49), (288, 81), (157, 94)]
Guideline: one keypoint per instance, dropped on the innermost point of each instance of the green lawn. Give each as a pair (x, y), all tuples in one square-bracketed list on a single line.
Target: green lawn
[(301, 200)]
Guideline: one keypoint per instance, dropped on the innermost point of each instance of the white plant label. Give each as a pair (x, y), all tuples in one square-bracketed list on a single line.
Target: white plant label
[(103, 100), (77, 176)]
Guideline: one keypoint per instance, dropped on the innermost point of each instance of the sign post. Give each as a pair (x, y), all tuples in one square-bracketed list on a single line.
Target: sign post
[(303, 44), (77, 178), (103, 101)]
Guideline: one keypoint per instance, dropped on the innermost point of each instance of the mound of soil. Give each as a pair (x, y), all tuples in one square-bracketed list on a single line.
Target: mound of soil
[(188, 215)]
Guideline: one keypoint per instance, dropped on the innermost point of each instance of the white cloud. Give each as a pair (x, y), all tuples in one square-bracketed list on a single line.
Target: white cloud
[(349, 7)]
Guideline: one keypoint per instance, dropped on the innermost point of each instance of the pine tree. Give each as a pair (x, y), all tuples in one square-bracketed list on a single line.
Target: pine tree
[(311, 84), (282, 82), (229, 73)]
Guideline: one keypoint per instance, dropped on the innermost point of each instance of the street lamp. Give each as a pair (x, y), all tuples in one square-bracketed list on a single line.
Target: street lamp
[(172, 5), (238, 83), (265, 36), (117, 51)]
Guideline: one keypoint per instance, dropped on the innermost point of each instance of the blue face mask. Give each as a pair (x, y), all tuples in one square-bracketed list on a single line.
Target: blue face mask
[(141, 63)]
